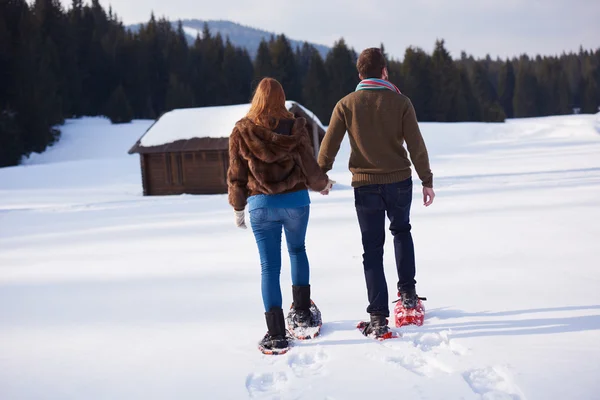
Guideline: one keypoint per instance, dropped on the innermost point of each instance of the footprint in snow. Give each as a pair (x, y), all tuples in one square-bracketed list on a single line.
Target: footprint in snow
[(492, 383), (268, 383), (435, 341), (418, 364), (304, 364)]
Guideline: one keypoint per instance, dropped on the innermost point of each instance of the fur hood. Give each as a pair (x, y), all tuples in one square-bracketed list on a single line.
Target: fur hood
[(264, 162), (269, 146)]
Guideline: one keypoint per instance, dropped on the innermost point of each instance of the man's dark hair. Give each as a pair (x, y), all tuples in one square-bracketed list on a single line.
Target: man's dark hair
[(370, 63)]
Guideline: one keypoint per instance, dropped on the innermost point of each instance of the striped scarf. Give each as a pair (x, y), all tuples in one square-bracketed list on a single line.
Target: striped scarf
[(376, 84)]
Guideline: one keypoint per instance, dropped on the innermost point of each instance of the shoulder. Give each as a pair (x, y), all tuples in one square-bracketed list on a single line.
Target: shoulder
[(239, 128), (348, 99), (243, 123), (243, 126), (404, 102)]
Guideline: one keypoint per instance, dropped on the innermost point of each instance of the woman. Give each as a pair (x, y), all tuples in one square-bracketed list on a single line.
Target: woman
[(271, 164)]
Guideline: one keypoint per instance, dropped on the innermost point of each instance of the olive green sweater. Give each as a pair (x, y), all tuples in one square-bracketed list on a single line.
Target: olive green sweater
[(378, 123)]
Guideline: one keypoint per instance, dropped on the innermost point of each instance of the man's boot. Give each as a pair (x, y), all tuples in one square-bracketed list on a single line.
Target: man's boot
[(377, 328)]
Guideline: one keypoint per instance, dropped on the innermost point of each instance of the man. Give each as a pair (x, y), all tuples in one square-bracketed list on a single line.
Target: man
[(379, 119)]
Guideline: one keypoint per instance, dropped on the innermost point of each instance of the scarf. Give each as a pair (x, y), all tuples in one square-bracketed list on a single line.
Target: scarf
[(376, 84)]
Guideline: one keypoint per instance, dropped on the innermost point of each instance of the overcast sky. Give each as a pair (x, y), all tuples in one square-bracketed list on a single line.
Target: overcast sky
[(499, 28)]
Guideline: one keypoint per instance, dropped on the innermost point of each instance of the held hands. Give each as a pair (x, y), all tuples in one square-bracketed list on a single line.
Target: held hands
[(330, 184), (240, 219), (428, 196)]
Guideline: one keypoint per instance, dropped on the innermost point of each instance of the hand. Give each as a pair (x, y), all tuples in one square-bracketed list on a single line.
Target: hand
[(330, 184), (240, 219), (428, 196)]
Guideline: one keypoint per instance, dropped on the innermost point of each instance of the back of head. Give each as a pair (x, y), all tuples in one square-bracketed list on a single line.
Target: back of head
[(371, 63), (268, 104)]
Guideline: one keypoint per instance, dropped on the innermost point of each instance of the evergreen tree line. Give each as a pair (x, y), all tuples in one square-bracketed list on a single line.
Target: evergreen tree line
[(57, 64)]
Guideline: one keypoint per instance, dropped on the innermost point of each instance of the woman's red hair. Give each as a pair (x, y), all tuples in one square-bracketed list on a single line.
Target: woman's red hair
[(268, 104)]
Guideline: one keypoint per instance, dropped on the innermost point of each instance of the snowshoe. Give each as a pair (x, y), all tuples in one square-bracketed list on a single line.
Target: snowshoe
[(304, 325), (409, 310), (377, 328), (275, 341), (274, 345), (304, 319)]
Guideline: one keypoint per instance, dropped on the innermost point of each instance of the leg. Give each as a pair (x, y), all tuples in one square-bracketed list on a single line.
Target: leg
[(398, 201), (370, 210), (267, 232), (295, 223)]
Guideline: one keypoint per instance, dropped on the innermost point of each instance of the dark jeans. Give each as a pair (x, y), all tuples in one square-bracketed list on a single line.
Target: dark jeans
[(267, 224), (372, 203)]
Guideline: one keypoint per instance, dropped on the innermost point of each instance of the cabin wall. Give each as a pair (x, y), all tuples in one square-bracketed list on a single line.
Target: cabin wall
[(200, 172)]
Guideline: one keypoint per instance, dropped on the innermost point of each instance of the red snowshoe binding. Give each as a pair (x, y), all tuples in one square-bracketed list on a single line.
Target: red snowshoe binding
[(409, 310)]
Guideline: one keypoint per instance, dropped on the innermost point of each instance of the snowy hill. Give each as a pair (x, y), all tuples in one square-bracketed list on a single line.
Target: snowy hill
[(109, 294), (240, 35)]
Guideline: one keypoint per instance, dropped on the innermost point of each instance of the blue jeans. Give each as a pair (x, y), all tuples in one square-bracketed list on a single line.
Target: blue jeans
[(266, 225), (372, 203)]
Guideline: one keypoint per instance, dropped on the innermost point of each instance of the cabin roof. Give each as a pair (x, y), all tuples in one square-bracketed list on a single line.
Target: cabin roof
[(204, 128)]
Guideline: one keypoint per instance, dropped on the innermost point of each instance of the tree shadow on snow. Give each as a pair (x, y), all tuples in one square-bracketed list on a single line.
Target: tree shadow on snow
[(441, 319), (500, 325)]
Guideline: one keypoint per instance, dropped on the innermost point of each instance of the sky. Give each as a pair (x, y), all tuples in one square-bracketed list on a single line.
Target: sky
[(479, 27)]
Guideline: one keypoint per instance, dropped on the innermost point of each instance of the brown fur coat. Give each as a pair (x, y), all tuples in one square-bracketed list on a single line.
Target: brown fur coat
[(264, 162)]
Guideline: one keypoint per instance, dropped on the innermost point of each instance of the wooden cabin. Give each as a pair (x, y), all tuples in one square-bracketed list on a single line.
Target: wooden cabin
[(186, 150)]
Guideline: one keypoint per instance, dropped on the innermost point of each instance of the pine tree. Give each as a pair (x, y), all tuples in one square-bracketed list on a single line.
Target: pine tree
[(591, 100), (564, 94), (446, 78), (395, 73), (6, 44), (284, 67), (340, 65), (53, 24), (263, 64), (506, 88), (11, 146), (303, 58), (417, 72), (197, 72), (118, 108), (238, 72), (178, 53), (469, 107), (214, 51), (316, 83), (484, 92), (178, 95), (382, 48), (524, 102), (77, 34)]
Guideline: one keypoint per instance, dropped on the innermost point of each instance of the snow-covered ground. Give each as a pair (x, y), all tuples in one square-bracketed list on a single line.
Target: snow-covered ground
[(106, 294)]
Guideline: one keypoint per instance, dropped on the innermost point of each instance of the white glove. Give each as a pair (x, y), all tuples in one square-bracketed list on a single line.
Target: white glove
[(330, 184), (240, 219)]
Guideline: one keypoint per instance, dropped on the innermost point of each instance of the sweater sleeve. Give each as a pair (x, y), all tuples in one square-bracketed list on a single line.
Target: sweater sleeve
[(333, 138), (237, 174), (416, 145), (316, 179)]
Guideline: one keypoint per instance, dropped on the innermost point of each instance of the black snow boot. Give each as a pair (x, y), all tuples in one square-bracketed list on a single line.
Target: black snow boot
[(377, 328), (300, 315), (304, 319), (409, 298), (275, 341)]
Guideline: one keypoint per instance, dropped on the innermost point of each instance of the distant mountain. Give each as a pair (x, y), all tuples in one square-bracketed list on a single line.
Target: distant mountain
[(239, 35)]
